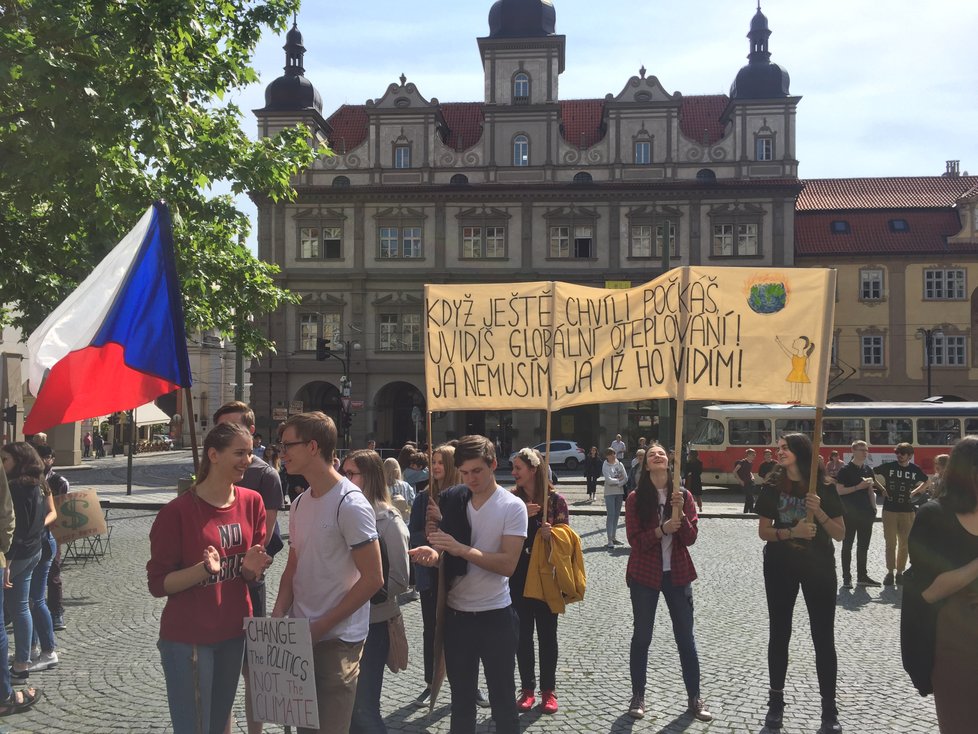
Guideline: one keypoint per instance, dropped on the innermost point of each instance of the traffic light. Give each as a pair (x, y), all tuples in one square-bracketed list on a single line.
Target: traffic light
[(10, 415), (348, 421), (113, 419), (322, 349)]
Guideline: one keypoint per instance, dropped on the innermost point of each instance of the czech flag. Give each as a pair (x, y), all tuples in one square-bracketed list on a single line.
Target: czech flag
[(118, 340)]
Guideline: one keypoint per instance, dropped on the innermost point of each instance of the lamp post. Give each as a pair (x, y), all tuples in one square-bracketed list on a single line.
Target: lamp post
[(324, 352), (928, 336)]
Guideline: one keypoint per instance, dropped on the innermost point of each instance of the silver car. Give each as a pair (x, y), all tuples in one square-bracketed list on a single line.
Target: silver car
[(562, 453)]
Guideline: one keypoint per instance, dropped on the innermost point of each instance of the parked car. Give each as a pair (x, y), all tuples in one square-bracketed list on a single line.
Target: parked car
[(162, 438), (562, 453)]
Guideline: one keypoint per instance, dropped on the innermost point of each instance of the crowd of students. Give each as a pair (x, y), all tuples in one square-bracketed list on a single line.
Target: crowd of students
[(210, 544)]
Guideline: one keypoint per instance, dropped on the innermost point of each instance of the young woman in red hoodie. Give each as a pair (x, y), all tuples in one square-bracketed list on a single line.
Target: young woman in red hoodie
[(204, 546)]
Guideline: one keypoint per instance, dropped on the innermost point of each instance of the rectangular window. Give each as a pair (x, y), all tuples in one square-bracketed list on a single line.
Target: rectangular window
[(560, 242), (947, 351), (308, 331), (735, 240), (400, 332), (843, 431), (309, 243), (765, 149), (332, 243), (938, 431), (665, 232), (402, 156), (944, 284), (642, 240), (332, 327), (890, 431), (643, 152), (872, 350), (794, 425), (584, 241), (495, 242), (411, 242), (745, 432), (871, 285), (483, 242), (471, 242), (389, 242)]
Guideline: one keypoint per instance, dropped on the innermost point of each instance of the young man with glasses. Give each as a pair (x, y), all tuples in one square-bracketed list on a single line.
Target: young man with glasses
[(262, 478), (857, 489), (903, 479), (481, 530), (334, 565)]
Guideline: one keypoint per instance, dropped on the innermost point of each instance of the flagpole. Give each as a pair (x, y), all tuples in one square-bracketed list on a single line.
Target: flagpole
[(193, 429), (132, 441)]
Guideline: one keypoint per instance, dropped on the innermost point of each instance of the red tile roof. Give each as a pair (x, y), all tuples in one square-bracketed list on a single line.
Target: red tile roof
[(465, 121), (699, 120), (581, 120), (883, 193), (870, 233), (699, 117), (349, 125)]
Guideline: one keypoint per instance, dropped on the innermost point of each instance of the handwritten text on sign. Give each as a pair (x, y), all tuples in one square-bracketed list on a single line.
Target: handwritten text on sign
[(281, 672), (697, 333)]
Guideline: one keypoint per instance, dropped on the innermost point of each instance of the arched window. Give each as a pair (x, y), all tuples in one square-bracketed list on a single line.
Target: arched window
[(521, 88), (706, 175), (521, 150), (583, 178), (341, 182), (459, 179)]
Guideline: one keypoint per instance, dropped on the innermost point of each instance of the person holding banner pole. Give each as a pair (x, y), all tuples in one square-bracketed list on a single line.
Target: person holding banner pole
[(531, 487), (799, 554), (204, 546), (660, 564)]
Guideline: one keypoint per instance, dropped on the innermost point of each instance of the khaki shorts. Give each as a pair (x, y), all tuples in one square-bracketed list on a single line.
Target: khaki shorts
[(337, 668)]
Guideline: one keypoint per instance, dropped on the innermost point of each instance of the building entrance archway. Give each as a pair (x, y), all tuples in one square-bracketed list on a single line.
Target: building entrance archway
[(394, 408), (324, 397)]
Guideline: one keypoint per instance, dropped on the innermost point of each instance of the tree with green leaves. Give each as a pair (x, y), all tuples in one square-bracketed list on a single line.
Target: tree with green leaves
[(108, 105)]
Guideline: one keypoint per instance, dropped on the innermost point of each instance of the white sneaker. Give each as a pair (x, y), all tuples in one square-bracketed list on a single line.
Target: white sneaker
[(45, 661)]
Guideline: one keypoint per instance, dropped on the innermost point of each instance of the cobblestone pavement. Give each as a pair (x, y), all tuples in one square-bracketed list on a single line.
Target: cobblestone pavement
[(110, 678)]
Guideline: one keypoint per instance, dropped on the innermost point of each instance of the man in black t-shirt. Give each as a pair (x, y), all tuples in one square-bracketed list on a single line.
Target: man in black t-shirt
[(903, 479), (767, 465), (856, 488), (744, 469)]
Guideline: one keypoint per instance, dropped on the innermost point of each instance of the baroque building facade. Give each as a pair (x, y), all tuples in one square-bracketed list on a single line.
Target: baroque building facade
[(520, 186)]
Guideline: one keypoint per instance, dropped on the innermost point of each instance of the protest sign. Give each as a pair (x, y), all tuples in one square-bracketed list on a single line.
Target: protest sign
[(79, 516), (281, 671), (694, 333)]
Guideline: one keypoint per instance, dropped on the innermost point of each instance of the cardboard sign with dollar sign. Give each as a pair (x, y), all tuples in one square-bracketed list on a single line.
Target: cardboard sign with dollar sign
[(79, 515)]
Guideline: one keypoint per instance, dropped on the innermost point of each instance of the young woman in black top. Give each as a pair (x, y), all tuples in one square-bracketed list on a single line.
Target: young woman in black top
[(800, 555), (944, 552), (592, 472)]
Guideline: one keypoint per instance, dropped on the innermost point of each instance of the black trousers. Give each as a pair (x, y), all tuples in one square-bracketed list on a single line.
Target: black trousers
[(859, 530), (489, 637), (534, 613), (749, 492), (429, 607), (785, 571), (592, 486)]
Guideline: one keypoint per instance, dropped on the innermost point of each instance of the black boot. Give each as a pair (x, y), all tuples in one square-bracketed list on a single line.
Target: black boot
[(830, 719), (775, 709)]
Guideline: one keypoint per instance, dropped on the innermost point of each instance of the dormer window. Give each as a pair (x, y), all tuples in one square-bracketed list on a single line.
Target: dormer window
[(521, 150), (402, 156), (840, 226), (764, 149), (899, 225), (521, 88), (643, 152)]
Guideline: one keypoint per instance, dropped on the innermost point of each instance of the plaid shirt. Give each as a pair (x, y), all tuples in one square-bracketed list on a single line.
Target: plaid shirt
[(645, 561)]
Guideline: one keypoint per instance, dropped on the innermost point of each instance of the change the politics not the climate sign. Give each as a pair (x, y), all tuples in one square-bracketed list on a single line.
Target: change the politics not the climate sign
[(695, 333)]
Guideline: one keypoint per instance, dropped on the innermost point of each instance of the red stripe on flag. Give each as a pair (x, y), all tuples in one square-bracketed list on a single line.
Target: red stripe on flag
[(92, 382)]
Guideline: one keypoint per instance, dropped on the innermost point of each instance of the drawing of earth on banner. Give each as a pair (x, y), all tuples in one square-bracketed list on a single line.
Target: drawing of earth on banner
[(766, 294)]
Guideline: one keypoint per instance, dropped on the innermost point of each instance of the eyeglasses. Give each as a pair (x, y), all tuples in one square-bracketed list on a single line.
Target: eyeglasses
[(284, 447), (351, 474)]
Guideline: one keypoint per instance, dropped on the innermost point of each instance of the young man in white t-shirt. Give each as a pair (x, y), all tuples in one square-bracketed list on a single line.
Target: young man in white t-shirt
[(334, 565), (481, 533)]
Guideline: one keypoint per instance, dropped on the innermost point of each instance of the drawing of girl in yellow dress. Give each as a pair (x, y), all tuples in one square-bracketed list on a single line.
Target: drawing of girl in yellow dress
[(799, 352)]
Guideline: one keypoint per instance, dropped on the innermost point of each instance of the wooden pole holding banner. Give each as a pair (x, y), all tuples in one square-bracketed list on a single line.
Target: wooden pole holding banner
[(813, 470), (678, 447), (546, 466)]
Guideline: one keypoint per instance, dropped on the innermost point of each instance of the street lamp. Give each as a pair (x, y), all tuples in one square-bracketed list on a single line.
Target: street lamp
[(324, 352), (928, 336)]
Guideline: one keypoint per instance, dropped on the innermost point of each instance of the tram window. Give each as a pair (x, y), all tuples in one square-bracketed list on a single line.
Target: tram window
[(750, 432), (795, 425), (970, 426), (709, 433), (938, 431), (890, 431), (843, 431)]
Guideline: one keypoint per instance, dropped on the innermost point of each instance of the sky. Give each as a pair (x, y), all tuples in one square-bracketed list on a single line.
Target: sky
[(888, 89)]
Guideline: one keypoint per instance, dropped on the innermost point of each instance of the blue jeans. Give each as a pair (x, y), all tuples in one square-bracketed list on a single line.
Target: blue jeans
[(366, 707), (208, 671), (679, 599), (613, 503), (5, 690), (489, 637), (40, 615), (21, 572)]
